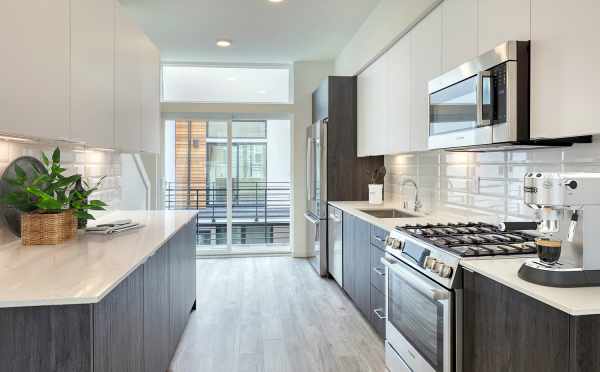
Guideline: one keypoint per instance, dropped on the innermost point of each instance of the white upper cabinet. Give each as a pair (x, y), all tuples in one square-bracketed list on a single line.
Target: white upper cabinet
[(500, 21), (398, 106), (426, 65), (459, 33), (372, 124), (128, 88), (564, 68), (92, 72), (34, 68), (150, 127)]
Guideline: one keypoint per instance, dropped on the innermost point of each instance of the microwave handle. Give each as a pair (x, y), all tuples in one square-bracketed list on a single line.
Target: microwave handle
[(479, 99)]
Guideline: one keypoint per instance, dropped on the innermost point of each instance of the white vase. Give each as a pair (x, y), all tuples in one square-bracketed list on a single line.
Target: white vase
[(375, 194)]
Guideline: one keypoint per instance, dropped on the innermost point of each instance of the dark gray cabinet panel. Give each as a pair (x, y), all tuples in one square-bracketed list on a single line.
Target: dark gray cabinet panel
[(378, 311), (508, 331), (119, 327), (157, 346), (585, 344), (362, 266), (46, 338), (348, 255), (182, 276)]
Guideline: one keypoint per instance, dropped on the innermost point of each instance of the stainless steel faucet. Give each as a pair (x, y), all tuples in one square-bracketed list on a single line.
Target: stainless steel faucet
[(418, 204)]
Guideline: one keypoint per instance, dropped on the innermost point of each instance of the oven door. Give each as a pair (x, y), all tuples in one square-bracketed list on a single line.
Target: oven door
[(419, 328)]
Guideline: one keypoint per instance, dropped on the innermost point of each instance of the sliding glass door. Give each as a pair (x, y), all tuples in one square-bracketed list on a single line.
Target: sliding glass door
[(236, 173)]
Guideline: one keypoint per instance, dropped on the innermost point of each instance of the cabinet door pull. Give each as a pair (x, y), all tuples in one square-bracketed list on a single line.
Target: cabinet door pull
[(379, 239), (379, 271), (379, 314)]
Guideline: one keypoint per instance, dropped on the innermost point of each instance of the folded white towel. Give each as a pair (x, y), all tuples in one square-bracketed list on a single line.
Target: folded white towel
[(114, 227)]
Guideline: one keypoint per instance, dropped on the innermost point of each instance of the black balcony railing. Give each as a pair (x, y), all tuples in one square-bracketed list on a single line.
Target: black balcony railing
[(260, 211)]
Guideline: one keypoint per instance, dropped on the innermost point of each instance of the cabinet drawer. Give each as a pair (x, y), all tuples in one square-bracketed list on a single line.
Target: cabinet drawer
[(378, 236), (377, 316), (377, 269)]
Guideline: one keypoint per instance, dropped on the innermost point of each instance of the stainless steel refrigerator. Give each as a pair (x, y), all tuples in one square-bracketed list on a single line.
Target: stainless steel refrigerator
[(333, 170), (316, 190)]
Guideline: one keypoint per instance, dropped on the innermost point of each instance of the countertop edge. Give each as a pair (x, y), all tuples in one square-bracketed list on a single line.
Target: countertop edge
[(558, 306)]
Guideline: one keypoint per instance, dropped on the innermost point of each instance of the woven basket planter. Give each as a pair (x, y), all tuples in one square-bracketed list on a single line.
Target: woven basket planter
[(48, 228)]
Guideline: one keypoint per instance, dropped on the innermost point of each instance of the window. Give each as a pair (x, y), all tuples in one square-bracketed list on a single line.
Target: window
[(239, 129), (221, 84)]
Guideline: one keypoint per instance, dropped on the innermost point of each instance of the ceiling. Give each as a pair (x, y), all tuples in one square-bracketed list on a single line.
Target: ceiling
[(261, 31)]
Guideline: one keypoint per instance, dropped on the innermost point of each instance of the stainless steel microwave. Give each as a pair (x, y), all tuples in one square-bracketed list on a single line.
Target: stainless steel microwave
[(482, 102)]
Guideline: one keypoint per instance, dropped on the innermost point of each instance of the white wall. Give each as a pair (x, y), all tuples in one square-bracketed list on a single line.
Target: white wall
[(389, 20), (279, 160), (307, 76)]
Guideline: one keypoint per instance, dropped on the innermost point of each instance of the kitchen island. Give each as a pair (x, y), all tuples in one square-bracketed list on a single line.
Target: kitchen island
[(99, 303)]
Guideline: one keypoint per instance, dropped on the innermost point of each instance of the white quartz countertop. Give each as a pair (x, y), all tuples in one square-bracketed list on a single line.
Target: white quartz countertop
[(574, 301), (87, 268), (440, 216)]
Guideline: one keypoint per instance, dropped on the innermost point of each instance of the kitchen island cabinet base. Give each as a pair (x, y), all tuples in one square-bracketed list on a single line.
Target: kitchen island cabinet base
[(128, 330)]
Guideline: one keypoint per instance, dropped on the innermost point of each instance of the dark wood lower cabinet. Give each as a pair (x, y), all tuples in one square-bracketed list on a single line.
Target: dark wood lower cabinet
[(348, 255), (46, 338), (157, 305), (135, 328), (364, 285), (362, 252), (505, 330), (119, 327)]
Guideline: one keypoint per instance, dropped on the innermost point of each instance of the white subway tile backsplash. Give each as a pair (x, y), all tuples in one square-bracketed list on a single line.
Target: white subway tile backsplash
[(483, 182)]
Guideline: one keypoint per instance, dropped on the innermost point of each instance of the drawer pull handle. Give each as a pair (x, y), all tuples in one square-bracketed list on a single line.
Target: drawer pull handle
[(379, 239), (379, 271), (379, 314)]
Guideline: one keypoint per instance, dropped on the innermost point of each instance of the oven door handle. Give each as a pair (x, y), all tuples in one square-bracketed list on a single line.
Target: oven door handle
[(418, 282)]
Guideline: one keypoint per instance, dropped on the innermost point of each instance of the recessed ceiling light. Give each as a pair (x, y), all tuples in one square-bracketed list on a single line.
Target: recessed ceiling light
[(223, 43), (231, 78), (261, 91)]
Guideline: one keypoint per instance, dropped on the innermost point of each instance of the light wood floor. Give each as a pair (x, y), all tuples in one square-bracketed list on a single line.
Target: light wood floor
[(274, 314)]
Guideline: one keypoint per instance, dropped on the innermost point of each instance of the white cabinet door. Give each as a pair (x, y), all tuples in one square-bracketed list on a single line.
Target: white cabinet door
[(398, 105), (426, 65), (128, 76), (150, 128), (92, 72), (564, 68), (34, 68), (500, 21), (372, 127), (459, 33)]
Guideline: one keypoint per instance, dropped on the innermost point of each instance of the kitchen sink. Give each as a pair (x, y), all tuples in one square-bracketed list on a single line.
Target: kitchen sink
[(387, 213)]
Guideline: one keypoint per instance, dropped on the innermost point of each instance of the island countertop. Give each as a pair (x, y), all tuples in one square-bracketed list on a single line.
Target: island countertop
[(87, 268)]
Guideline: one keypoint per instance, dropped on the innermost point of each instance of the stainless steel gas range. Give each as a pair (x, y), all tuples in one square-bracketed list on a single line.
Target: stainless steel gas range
[(423, 290)]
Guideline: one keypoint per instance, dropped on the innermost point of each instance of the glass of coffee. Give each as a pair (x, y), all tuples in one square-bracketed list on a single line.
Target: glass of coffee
[(548, 250)]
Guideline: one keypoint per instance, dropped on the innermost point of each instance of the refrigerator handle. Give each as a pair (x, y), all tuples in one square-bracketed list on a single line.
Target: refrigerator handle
[(309, 171)]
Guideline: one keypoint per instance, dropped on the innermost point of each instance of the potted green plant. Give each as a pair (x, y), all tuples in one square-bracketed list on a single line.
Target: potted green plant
[(49, 201)]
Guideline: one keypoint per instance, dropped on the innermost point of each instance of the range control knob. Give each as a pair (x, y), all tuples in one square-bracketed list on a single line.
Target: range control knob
[(445, 271), (430, 262), (396, 244), (437, 268)]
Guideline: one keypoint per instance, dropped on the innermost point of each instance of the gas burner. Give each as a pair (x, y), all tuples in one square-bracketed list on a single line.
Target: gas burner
[(472, 239)]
